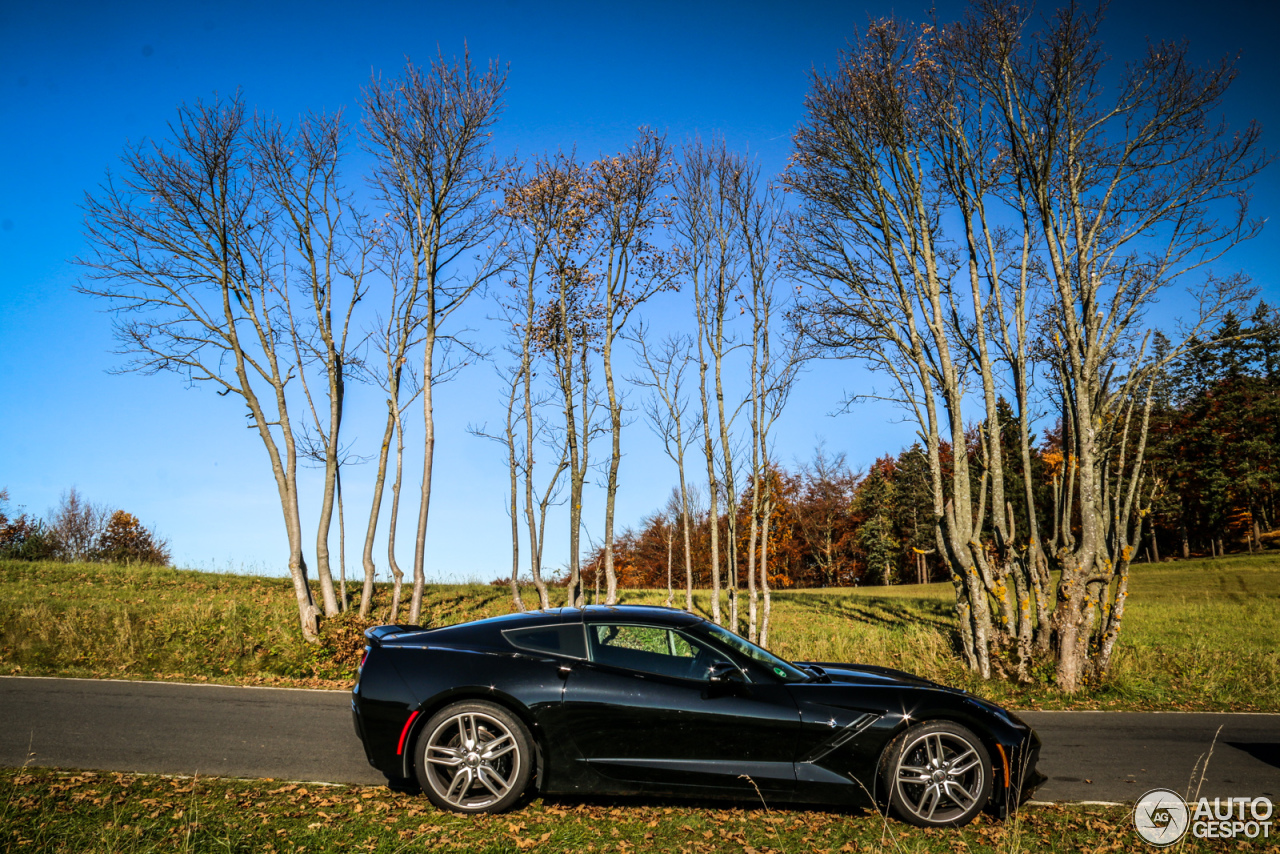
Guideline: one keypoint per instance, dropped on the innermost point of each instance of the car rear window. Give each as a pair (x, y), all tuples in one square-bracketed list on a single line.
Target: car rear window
[(557, 640)]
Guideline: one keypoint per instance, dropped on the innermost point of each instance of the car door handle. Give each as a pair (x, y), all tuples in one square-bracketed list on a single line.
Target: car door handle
[(564, 670)]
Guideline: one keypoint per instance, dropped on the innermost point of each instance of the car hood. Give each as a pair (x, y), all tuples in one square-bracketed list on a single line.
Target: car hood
[(869, 675), (868, 688)]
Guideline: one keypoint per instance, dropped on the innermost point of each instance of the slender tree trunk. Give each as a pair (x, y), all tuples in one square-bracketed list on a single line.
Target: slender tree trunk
[(536, 524), (513, 508), (713, 525), (753, 598), (397, 575), (730, 487), (375, 510), (342, 548), (671, 539), (757, 438), (323, 572), (286, 474), (536, 540), (428, 458), (615, 456), (713, 487), (578, 457), (764, 575), (688, 545)]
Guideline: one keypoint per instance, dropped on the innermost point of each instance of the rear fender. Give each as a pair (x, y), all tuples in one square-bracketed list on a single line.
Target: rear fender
[(425, 711)]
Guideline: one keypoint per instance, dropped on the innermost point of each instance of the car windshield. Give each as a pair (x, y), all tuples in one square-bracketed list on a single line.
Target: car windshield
[(785, 671)]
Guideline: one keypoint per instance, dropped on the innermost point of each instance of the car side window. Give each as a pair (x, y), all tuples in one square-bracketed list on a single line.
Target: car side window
[(651, 649), (563, 639)]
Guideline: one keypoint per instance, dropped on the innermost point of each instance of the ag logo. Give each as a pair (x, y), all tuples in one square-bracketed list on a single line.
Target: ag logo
[(1160, 817)]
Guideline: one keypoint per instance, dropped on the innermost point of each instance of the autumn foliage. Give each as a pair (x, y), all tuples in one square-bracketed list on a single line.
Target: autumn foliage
[(78, 531), (829, 527), (126, 541)]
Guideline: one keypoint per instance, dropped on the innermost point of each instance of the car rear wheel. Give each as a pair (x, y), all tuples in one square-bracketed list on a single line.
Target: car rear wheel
[(938, 774), (474, 757)]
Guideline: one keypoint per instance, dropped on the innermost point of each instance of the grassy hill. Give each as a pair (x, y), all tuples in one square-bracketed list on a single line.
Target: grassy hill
[(1199, 635)]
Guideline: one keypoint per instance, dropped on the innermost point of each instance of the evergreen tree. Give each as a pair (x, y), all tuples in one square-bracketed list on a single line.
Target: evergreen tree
[(875, 502)]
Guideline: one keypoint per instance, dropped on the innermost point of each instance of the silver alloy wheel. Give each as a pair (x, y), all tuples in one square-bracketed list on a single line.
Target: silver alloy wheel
[(472, 760), (940, 777)]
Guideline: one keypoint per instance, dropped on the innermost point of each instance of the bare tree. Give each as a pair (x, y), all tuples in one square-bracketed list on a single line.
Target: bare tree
[(555, 215), (949, 172), (669, 417), (430, 132), (886, 273), (629, 189), (324, 251), (76, 525), (395, 339), (710, 258), (569, 337), (182, 250), (775, 362), (1133, 194), (538, 215)]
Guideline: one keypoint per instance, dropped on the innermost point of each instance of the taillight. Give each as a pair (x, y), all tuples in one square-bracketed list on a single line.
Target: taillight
[(364, 658)]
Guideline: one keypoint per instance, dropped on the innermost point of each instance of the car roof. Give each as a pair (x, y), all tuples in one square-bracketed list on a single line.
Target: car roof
[(656, 614)]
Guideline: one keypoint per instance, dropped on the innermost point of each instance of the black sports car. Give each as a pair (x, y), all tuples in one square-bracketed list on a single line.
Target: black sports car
[(642, 700)]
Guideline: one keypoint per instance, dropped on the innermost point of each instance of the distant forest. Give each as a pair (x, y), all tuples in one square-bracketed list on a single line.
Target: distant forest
[(1212, 468)]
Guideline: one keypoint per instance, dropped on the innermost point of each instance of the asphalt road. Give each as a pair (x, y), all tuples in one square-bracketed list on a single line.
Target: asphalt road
[(168, 728)]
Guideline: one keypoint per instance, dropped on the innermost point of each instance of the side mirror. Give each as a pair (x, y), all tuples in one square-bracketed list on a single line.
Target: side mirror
[(724, 673)]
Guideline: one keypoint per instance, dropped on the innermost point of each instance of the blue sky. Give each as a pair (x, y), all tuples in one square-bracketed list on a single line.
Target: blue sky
[(79, 80)]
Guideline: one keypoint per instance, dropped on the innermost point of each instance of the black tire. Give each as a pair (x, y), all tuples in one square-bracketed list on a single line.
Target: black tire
[(937, 774), (474, 757)]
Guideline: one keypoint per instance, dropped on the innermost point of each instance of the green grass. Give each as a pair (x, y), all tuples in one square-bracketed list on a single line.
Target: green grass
[(84, 812), (1198, 635), (1202, 635), (100, 621)]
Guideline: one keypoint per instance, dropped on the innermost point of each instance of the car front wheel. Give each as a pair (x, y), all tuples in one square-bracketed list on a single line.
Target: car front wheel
[(938, 774), (474, 757)]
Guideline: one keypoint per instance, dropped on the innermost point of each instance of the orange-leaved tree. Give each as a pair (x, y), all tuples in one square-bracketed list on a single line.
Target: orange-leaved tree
[(126, 541)]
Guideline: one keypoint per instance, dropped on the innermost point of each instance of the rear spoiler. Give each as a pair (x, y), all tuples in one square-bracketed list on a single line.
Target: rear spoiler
[(377, 634)]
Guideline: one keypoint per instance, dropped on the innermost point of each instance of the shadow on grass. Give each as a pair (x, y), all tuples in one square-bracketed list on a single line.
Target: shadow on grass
[(748, 802), (731, 799), (887, 613)]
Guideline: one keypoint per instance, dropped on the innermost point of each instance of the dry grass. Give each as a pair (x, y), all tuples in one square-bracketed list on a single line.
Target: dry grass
[(84, 812), (156, 623)]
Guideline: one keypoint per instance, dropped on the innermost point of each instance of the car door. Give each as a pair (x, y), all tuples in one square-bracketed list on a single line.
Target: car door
[(642, 711)]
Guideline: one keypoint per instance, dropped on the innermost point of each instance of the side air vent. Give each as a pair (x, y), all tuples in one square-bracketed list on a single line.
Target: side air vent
[(842, 737)]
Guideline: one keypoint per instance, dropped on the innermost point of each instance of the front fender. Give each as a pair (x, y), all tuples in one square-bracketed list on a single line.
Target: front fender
[(852, 765)]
